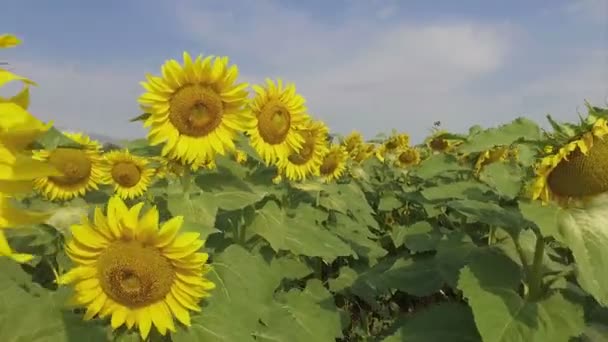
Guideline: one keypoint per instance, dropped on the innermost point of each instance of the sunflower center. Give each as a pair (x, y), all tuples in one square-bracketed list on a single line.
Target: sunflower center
[(439, 144), (330, 164), (391, 145), (126, 174), (196, 110), (582, 175), (134, 275), (307, 151), (274, 122), (73, 163), (407, 157)]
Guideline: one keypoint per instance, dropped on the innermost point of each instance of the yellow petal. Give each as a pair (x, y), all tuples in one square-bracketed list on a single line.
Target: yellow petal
[(178, 310), (88, 236), (168, 231), (94, 308), (22, 98), (15, 187), (144, 321), (161, 317), (119, 316), (77, 273), (8, 41), (11, 216)]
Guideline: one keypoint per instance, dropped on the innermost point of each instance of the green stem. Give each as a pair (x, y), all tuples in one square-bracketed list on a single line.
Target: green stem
[(491, 235), (536, 274), (186, 181)]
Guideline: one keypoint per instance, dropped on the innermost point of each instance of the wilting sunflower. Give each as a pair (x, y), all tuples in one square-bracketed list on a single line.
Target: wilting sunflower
[(278, 111), (334, 163), (407, 157), (439, 142), (80, 168), (363, 152), (134, 272), (196, 109), (493, 155), (129, 174), (308, 160)]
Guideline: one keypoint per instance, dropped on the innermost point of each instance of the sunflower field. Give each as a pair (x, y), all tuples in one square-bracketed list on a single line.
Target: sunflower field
[(241, 217)]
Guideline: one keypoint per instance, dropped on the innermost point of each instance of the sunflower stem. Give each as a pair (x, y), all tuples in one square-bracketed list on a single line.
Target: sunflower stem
[(535, 281), (186, 181)]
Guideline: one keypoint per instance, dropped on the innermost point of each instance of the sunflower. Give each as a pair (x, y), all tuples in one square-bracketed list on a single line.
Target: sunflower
[(493, 155), (352, 141), (439, 142), (240, 157), (396, 142), (196, 109), (130, 174), (363, 152), (577, 170), (308, 160), (407, 157), (334, 163), (278, 111), (139, 275), (80, 168), (83, 140)]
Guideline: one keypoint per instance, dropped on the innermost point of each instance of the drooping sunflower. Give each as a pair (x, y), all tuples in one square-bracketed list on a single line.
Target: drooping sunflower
[(129, 174), (439, 141), (196, 109), (298, 165), (278, 111), (363, 152), (80, 168), (352, 141), (493, 155), (407, 157), (334, 163), (132, 271)]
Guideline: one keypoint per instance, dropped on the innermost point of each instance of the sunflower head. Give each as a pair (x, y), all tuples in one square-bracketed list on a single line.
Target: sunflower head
[(135, 272), (80, 169), (83, 140), (363, 152), (407, 157), (129, 174), (493, 155), (352, 141), (307, 160), (334, 163), (442, 141), (196, 109), (240, 157), (18, 128), (278, 111), (576, 169)]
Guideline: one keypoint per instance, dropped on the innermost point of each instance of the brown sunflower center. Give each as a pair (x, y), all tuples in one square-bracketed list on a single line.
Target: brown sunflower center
[(196, 110), (582, 175), (438, 144), (306, 153), (391, 145), (126, 174), (274, 122), (73, 163), (330, 164), (134, 275), (407, 157)]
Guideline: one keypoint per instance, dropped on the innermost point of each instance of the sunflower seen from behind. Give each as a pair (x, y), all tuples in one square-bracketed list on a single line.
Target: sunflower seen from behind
[(334, 163), (407, 157), (130, 175), (134, 272), (307, 161), (195, 109), (80, 168), (277, 113)]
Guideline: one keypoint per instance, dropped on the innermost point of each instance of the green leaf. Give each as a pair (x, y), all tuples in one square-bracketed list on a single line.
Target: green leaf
[(491, 214), (440, 323), (359, 237), (53, 138), (300, 234), (506, 178), (303, 316), (502, 135), (290, 267), (244, 291), (346, 278), (199, 212), (543, 216), (388, 202), (227, 191), (436, 165), (140, 117), (490, 283), (31, 313), (584, 232), (419, 237), (460, 190), (453, 252)]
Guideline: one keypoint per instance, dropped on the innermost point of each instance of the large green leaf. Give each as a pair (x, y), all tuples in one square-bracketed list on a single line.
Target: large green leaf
[(506, 178), (419, 237), (227, 191), (544, 216), (302, 316), (29, 313), (584, 232), (244, 292), (199, 211), (456, 190), (301, 234), (490, 285), (492, 214), (359, 237), (440, 323), (502, 135), (453, 252), (438, 164)]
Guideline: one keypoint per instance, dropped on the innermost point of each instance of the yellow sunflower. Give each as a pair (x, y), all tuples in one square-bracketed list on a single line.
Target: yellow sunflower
[(129, 174), (240, 157), (84, 140), (363, 152), (278, 111), (577, 171), (352, 141), (334, 163), (80, 168), (196, 109), (134, 272), (308, 160), (392, 145), (493, 155), (407, 157), (438, 142)]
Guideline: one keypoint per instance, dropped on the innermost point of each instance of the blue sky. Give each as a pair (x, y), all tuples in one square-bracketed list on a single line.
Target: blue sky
[(370, 65)]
